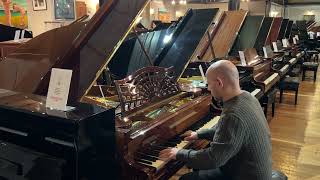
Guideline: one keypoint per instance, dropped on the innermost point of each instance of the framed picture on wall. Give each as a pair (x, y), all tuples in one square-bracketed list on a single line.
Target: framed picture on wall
[(39, 5), (64, 9)]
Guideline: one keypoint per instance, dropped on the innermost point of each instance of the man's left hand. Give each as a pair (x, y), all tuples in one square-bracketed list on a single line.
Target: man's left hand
[(168, 154)]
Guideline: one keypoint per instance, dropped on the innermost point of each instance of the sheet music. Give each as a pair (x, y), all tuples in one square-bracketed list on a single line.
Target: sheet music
[(242, 58)]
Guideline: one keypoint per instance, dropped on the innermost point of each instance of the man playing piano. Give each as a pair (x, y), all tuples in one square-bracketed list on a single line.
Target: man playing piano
[(241, 146)]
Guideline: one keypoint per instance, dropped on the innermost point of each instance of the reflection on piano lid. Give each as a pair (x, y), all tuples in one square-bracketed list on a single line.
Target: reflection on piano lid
[(83, 47), (274, 30), (169, 47)]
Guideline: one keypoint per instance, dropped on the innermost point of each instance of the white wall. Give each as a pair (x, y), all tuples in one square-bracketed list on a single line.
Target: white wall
[(276, 8), (297, 12)]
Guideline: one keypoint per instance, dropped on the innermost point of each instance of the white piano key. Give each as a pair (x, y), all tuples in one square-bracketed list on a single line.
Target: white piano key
[(284, 68), (270, 78), (255, 92), (293, 61)]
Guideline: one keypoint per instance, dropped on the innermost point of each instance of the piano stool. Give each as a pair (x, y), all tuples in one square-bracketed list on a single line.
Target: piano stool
[(278, 175), (270, 98), (310, 66), (291, 84)]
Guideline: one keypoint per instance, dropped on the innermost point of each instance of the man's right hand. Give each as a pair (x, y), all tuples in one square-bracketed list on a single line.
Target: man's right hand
[(190, 136)]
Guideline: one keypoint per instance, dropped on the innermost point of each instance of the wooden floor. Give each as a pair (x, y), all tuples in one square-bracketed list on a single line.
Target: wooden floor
[(295, 131)]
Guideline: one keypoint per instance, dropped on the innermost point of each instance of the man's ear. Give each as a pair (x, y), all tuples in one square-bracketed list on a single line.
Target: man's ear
[(219, 81)]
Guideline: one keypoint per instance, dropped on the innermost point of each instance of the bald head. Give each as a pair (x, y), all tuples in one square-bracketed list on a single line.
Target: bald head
[(226, 71)]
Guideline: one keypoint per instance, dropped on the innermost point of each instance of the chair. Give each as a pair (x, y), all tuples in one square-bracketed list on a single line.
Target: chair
[(291, 84)]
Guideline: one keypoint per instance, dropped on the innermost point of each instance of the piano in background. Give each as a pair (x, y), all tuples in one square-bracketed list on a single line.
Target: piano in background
[(263, 74), (8, 33), (79, 142)]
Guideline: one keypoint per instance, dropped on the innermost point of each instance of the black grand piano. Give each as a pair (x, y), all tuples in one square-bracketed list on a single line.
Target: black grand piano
[(39, 143)]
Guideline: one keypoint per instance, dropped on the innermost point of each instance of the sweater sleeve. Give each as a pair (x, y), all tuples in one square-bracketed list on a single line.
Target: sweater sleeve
[(227, 142), (207, 133)]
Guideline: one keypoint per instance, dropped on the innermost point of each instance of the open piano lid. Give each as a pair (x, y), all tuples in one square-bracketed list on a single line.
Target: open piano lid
[(263, 34), (283, 29), (183, 48), (248, 34), (169, 47), (289, 29), (83, 47), (274, 31)]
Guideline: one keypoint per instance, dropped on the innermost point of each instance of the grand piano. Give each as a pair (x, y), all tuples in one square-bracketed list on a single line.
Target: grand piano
[(263, 74), (8, 33), (40, 143), (161, 103)]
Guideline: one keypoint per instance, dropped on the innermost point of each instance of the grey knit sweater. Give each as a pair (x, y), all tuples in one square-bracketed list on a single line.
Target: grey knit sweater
[(240, 145)]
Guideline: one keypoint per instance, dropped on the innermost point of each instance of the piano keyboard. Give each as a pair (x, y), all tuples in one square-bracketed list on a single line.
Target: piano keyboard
[(298, 55), (151, 158), (273, 76), (255, 92), (284, 68), (293, 61)]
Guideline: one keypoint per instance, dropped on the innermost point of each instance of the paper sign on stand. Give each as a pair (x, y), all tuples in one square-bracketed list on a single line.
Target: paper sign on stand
[(265, 52), (58, 91), (294, 40), (22, 34), (297, 37), (275, 47), (284, 43), (202, 74), (318, 34), (17, 35), (242, 58)]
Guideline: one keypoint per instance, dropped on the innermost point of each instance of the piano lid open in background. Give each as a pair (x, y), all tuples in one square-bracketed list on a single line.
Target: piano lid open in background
[(84, 47), (222, 36), (283, 29), (274, 31), (248, 34), (8, 33), (263, 34), (168, 47)]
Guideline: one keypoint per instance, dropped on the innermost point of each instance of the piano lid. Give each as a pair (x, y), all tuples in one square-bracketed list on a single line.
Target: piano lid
[(83, 47), (263, 33), (289, 29), (248, 34), (8, 33), (226, 34), (302, 30), (181, 51), (166, 48), (283, 29), (274, 31)]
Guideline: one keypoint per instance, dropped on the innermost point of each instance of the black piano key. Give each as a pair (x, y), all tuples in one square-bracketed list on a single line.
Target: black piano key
[(146, 157), (143, 161)]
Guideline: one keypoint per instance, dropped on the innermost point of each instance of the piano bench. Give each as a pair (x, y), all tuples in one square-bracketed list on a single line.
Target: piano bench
[(278, 175), (310, 66), (270, 98), (295, 72), (291, 84)]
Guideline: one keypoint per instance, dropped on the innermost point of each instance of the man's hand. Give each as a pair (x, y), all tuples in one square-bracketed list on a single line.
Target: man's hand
[(190, 136), (168, 154)]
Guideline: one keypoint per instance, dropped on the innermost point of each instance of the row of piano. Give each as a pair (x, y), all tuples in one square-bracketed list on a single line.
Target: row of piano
[(134, 92)]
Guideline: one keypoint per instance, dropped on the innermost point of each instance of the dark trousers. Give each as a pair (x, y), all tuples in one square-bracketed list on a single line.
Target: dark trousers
[(212, 174)]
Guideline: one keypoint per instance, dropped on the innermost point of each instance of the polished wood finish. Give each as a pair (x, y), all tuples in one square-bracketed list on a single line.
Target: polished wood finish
[(274, 31), (225, 34), (7, 47)]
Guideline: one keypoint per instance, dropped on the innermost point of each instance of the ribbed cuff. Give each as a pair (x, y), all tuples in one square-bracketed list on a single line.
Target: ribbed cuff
[(182, 154)]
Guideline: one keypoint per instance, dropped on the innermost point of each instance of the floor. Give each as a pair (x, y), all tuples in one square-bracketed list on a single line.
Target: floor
[(295, 131)]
